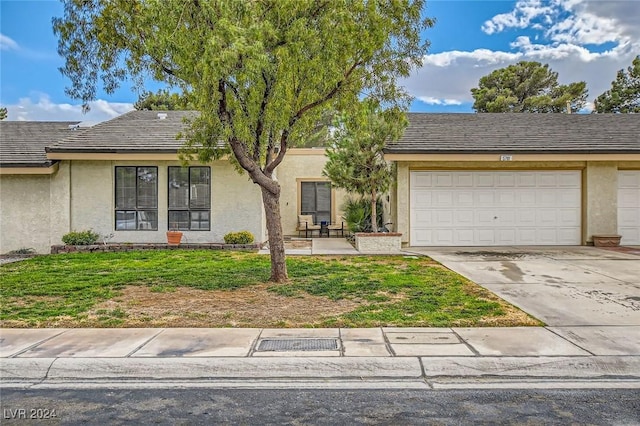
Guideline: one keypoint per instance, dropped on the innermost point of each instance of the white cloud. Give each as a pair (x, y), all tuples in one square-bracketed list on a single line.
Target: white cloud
[(563, 33), (521, 16), (7, 43), (435, 101), (42, 109)]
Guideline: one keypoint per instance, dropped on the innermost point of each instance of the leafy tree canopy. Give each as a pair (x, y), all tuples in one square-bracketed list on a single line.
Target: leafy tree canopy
[(261, 73), (527, 87), (3, 113), (624, 95), (163, 100), (355, 158)]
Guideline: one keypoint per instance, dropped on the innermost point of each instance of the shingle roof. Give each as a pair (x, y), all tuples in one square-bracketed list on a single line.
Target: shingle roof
[(22, 143), (521, 133), (134, 131)]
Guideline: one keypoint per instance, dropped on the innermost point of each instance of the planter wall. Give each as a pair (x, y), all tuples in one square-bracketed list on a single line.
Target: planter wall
[(378, 243), (115, 247), (606, 240)]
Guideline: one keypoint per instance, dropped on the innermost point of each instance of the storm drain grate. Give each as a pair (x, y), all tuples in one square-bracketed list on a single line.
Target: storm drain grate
[(283, 345)]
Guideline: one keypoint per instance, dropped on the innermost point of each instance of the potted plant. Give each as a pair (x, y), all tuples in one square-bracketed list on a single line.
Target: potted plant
[(174, 236)]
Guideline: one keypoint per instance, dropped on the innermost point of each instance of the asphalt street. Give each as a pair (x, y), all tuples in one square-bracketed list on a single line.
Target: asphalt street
[(321, 407)]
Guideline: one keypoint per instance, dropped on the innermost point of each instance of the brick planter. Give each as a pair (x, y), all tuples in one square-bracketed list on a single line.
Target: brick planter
[(379, 242)]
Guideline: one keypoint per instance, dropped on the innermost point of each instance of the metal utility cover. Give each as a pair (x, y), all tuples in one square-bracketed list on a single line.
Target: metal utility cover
[(284, 345)]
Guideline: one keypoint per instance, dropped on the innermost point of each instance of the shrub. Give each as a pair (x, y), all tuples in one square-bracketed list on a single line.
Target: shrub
[(357, 214), (80, 238), (242, 237), (23, 250)]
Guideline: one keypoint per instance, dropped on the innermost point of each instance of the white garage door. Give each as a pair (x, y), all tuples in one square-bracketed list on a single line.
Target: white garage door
[(473, 208), (629, 206)]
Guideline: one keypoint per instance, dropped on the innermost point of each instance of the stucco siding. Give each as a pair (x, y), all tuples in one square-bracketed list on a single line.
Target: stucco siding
[(235, 202), (24, 213), (600, 199), (298, 166)]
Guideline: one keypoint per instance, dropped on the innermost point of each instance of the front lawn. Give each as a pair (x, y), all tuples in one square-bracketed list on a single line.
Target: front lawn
[(184, 288)]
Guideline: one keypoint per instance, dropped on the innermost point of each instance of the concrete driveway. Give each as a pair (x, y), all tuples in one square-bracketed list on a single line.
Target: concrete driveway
[(562, 286)]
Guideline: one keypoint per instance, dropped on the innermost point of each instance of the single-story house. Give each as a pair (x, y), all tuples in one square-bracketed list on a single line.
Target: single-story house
[(123, 179), (462, 179), (517, 179)]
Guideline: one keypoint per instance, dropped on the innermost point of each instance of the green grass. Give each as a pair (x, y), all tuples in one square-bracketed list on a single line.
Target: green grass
[(401, 291)]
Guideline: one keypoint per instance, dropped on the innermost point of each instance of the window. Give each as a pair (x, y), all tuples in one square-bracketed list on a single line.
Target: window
[(190, 198), (136, 198), (316, 200)]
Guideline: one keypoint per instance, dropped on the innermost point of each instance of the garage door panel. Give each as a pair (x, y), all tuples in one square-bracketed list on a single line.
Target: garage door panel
[(484, 180), (422, 180), (422, 218), (567, 198), (483, 198), (629, 206), (464, 217), (506, 198), (496, 208), (484, 218), (463, 180), (421, 199), (443, 237), (568, 236), (443, 180), (464, 237), (569, 180), (526, 217), (506, 236), (463, 198), (526, 236), (526, 180), (442, 198), (506, 180)]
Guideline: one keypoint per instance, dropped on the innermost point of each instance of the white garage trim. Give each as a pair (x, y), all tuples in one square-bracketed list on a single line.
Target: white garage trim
[(484, 208), (629, 206)]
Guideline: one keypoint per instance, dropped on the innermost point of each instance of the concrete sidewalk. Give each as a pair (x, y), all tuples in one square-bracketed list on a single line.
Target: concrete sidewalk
[(407, 357)]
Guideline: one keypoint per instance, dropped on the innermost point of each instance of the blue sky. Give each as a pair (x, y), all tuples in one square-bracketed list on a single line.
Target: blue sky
[(580, 39)]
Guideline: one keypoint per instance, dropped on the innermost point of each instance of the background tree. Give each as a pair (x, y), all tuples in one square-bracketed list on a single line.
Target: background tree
[(163, 100), (355, 158), (624, 95), (527, 87), (261, 73), (3, 113)]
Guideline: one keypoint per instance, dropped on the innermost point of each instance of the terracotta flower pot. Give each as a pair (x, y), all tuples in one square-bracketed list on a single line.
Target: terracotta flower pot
[(174, 238)]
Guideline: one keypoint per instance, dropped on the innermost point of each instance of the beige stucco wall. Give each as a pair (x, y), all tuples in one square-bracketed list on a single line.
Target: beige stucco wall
[(24, 212), (236, 202), (300, 165), (600, 199), (599, 189)]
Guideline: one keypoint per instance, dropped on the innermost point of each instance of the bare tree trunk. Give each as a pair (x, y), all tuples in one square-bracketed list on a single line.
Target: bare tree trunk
[(374, 211), (271, 204)]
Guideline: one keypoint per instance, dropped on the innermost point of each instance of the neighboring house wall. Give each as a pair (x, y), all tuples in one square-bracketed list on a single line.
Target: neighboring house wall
[(24, 212), (236, 203), (303, 165)]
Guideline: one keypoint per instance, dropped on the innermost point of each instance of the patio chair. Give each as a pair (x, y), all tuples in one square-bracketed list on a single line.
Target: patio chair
[(337, 228), (305, 223)]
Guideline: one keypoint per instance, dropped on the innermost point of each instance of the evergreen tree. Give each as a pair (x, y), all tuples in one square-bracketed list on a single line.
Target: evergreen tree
[(527, 87), (624, 95)]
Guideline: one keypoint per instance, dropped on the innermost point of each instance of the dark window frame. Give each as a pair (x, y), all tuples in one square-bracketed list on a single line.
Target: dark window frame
[(137, 210), (189, 209), (326, 215)]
